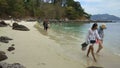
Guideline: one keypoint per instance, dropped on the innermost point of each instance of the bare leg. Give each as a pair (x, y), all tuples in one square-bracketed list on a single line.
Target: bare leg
[(88, 51), (100, 46), (92, 52), (44, 28)]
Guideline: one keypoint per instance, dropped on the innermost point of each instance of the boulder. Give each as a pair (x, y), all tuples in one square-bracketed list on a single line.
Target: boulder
[(3, 24), (16, 26), (14, 65), (13, 45), (94, 67), (3, 56), (11, 48), (5, 39), (1, 66)]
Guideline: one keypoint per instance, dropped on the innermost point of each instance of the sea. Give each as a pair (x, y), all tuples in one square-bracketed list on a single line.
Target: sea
[(71, 35)]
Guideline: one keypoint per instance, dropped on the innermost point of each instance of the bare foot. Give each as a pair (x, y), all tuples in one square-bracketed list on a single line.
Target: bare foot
[(87, 55), (95, 60), (97, 54)]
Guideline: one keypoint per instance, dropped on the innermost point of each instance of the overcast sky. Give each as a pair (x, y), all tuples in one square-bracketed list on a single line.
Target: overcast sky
[(111, 7)]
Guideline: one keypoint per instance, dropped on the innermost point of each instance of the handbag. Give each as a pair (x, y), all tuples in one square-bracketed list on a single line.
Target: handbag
[(84, 46)]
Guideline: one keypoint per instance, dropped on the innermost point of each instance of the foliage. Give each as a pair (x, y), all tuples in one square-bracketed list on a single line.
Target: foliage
[(53, 9)]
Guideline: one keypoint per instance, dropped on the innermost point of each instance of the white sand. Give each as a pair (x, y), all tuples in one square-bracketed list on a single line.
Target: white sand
[(35, 50)]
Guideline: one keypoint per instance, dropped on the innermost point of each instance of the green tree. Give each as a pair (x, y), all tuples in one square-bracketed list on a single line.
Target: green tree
[(71, 13), (70, 3), (41, 8), (3, 7), (15, 8)]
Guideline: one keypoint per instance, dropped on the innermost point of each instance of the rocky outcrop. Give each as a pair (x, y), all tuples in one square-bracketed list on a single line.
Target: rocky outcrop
[(3, 24), (14, 65), (16, 26), (5, 39), (3, 56)]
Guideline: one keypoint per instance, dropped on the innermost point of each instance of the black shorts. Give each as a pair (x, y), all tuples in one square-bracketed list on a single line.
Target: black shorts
[(92, 41)]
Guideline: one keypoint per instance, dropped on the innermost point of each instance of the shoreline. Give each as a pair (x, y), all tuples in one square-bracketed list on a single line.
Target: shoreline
[(34, 46), (83, 21), (31, 46), (102, 57)]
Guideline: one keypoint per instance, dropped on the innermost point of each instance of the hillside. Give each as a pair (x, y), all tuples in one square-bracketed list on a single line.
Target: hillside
[(104, 17), (52, 9)]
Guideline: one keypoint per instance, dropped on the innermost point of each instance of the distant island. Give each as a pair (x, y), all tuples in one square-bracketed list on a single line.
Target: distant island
[(104, 17)]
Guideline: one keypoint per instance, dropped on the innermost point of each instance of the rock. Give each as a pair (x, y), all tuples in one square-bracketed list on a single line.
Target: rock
[(94, 67), (5, 39), (13, 45), (2, 52), (1, 67), (3, 24), (2, 56), (14, 65), (16, 26), (11, 48)]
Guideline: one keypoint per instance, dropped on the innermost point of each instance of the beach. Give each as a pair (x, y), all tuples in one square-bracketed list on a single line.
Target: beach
[(35, 49)]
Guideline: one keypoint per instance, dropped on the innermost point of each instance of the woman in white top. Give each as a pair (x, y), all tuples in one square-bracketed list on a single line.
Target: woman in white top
[(91, 39)]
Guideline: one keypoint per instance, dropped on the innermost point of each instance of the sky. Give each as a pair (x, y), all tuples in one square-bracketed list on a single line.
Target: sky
[(111, 7)]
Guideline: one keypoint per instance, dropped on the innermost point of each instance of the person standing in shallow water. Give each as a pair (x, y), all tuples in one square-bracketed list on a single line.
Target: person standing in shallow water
[(101, 34), (45, 24), (91, 39)]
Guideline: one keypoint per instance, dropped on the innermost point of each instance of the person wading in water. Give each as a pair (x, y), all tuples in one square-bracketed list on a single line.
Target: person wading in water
[(45, 24), (91, 39), (101, 34)]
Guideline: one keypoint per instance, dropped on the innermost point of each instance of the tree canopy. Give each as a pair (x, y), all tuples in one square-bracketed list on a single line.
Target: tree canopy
[(53, 9)]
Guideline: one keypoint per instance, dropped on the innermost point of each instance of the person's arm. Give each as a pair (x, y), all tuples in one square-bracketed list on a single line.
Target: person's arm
[(103, 34), (97, 35)]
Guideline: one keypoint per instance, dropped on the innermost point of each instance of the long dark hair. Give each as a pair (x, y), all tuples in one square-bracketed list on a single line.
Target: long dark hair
[(94, 25)]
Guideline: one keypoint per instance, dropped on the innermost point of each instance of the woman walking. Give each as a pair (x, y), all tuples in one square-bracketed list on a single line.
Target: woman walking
[(45, 24), (101, 34), (91, 39)]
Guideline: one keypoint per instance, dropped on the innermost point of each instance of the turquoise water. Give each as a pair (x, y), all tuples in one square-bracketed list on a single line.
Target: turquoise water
[(73, 34), (112, 37)]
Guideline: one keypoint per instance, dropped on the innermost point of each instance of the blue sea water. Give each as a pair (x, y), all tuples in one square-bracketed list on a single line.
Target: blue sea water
[(73, 34), (112, 37)]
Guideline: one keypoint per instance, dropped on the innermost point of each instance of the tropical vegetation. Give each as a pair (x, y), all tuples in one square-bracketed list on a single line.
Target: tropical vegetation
[(52, 9)]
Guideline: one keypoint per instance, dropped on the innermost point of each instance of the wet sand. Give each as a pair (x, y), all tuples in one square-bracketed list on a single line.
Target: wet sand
[(35, 49)]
